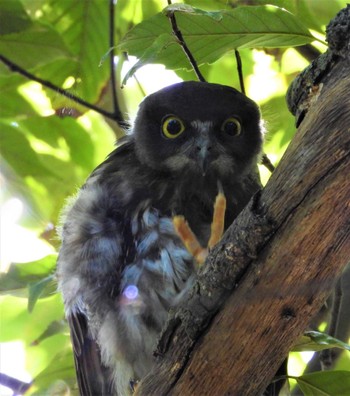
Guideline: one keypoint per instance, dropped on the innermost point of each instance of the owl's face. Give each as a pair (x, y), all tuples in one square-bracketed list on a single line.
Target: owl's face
[(200, 128)]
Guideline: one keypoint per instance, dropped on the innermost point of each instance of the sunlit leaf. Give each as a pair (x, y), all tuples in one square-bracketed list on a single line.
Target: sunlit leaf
[(17, 151), (210, 35), (42, 288), (61, 367), (150, 55), (83, 25), (75, 136), (20, 275), (37, 45), (18, 323), (12, 103), (325, 383), (313, 13), (187, 9), (56, 327), (316, 341)]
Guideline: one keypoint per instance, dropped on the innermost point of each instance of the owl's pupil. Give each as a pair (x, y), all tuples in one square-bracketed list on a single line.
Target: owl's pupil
[(174, 127), (231, 128)]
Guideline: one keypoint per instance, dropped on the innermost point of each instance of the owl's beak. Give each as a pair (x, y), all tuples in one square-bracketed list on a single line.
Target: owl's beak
[(203, 153)]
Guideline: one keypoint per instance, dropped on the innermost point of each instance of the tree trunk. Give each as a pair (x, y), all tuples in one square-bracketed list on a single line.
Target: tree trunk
[(280, 259)]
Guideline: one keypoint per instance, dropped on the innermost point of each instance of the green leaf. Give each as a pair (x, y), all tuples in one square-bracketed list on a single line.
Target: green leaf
[(43, 288), (316, 341), (20, 275), (315, 14), (13, 17), (18, 323), (325, 383), (210, 35), (61, 367), (12, 104), (150, 55), (83, 25), (78, 140), (171, 9), (17, 151), (38, 45), (55, 327)]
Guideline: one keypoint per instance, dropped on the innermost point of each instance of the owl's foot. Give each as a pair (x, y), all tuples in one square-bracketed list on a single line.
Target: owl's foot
[(217, 228)]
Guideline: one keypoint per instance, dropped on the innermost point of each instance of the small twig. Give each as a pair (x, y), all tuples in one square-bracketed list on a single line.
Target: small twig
[(135, 77), (116, 109), (15, 68), (177, 33), (267, 163), (18, 387), (308, 51), (240, 71)]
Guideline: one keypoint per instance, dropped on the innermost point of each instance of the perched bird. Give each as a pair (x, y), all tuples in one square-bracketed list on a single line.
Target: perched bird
[(122, 265)]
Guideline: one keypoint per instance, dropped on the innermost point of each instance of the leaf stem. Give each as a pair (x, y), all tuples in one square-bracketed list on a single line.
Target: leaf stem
[(116, 110), (177, 33), (240, 70)]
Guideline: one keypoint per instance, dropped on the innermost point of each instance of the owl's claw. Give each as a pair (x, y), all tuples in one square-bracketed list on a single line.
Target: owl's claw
[(218, 223), (217, 228), (133, 385)]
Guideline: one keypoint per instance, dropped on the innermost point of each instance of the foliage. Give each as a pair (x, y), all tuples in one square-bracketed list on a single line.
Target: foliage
[(50, 144)]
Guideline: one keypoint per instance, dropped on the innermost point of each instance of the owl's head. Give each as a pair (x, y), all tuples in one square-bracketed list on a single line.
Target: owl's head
[(200, 128)]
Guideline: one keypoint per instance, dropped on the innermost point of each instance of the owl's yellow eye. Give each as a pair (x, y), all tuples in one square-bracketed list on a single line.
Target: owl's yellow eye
[(172, 127), (231, 127)]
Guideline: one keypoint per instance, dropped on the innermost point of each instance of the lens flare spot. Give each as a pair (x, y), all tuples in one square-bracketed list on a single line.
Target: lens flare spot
[(131, 292)]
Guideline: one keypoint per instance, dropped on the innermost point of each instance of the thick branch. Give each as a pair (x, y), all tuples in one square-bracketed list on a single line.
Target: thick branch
[(281, 258)]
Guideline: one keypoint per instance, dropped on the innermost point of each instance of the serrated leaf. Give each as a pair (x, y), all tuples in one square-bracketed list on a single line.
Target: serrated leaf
[(325, 383), (42, 288), (209, 35), (316, 341)]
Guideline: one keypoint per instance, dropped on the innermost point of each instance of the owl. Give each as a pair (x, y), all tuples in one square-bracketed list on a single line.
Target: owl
[(122, 265)]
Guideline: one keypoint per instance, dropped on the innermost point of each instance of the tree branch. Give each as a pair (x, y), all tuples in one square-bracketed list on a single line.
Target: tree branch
[(115, 116), (308, 51), (18, 387), (276, 264)]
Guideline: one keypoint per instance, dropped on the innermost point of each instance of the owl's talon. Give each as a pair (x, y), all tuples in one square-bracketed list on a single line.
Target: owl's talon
[(217, 228), (133, 385)]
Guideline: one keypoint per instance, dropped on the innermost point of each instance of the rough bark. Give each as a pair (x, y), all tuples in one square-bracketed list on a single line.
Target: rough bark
[(278, 262)]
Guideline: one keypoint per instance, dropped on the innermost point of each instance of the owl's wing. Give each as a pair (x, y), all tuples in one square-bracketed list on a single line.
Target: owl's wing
[(92, 376)]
